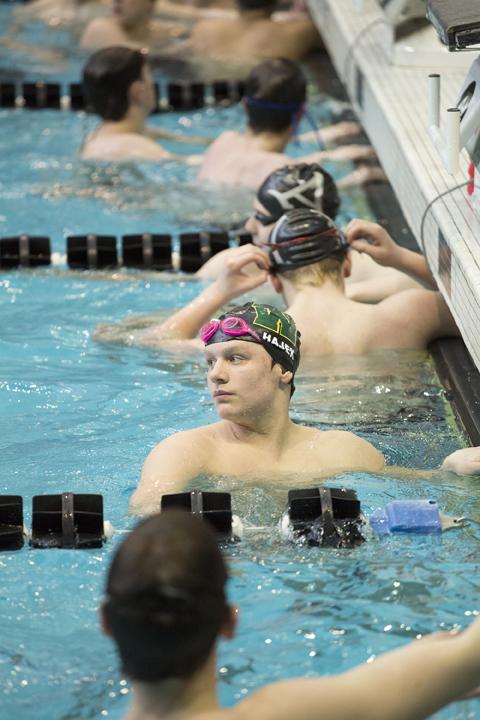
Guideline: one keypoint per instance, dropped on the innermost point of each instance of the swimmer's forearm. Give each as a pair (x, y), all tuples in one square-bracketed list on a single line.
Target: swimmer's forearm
[(415, 265), (160, 134), (186, 323)]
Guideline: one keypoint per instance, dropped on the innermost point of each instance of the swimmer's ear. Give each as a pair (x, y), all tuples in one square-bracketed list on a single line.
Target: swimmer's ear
[(276, 282), (104, 621), (230, 624), (136, 92), (286, 377)]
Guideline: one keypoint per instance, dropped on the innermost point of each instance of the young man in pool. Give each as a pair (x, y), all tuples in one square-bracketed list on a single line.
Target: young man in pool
[(131, 24), (166, 609), (253, 33), (118, 86), (275, 96), (252, 354)]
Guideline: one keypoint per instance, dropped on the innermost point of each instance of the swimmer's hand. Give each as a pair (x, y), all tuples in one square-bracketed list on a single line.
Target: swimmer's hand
[(463, 462), (372, 239), (244, 268), (349, 152)]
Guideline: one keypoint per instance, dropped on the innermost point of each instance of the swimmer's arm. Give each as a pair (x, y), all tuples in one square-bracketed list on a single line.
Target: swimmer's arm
[(95, 35), (345, 152), (331, 133), (172, 9), (372, 239), (424, 314), (410, 683), (231, 282), (168, 469), (351, 452), (156, 133), (465, 461)]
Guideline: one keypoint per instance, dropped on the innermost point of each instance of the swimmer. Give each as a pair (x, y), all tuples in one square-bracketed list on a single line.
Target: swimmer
[(118, 86), (131, 24), (166, 608), (59, 13), (306, 259), (275, 96), (252, 354), (310, 186), (253, 34)]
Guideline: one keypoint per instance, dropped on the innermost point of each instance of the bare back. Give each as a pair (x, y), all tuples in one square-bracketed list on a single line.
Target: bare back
[(122, 147), (331, 323), (254, 40), (234, 158)]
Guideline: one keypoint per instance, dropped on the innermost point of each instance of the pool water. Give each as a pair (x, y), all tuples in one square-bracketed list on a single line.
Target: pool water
[(81, 416)]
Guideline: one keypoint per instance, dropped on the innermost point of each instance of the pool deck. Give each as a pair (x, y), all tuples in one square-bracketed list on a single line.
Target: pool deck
[(387, 85)]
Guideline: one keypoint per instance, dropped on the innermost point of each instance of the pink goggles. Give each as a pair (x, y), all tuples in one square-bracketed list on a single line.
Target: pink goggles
[(233, 326)]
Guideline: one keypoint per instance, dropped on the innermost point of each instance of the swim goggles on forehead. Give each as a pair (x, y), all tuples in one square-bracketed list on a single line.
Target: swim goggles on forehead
[(335, 233), (233, 326)]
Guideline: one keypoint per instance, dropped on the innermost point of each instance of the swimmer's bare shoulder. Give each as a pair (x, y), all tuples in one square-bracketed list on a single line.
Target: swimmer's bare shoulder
[(340, 450), (169, 467), (123, 147), (99, 33)]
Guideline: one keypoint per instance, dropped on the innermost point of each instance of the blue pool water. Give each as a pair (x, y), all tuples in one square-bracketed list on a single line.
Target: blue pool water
[(80, 416)]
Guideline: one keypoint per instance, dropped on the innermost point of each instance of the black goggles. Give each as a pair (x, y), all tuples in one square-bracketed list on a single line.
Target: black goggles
[(264, 219)]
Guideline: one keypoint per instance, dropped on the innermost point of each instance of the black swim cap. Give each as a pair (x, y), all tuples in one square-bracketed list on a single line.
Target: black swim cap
[(303, 237), (299, 186), (276, 332)]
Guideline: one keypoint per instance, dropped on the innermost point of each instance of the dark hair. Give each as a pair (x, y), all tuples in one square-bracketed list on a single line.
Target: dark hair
[(107, 77), (275, 91), (166, 596), (256, 4)]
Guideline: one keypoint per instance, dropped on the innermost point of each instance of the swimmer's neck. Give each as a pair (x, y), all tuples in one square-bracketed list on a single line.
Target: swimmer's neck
[(132, 122), (168, 698), (269, 141), (269, 432), (301, 294)]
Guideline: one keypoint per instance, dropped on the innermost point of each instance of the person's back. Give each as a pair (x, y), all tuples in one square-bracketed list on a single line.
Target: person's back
[(254, 34), (309, 259)]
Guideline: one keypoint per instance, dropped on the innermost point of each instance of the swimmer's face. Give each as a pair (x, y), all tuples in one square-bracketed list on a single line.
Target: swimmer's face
[(131, 12), (241, 378), (258, 231)]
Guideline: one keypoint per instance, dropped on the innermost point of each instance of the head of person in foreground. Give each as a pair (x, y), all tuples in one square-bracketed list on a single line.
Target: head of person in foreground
[(252, 354), (166, 605), (117, 81)]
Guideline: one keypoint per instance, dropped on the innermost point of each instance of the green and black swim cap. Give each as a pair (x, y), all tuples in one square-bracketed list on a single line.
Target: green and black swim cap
[(264, 324), (302, 237)]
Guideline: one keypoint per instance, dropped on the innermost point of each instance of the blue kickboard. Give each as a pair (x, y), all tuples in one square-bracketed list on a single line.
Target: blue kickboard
[(407, 516)]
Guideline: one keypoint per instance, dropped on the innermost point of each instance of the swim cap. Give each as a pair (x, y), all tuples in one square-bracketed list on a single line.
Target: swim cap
[(270, 327), (297, 186), (303, 237)]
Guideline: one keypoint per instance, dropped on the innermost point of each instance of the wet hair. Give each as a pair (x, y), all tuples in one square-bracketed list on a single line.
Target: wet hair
[(275, 91), (107, 77), (256, 4), (296, 186), (166, 599)]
